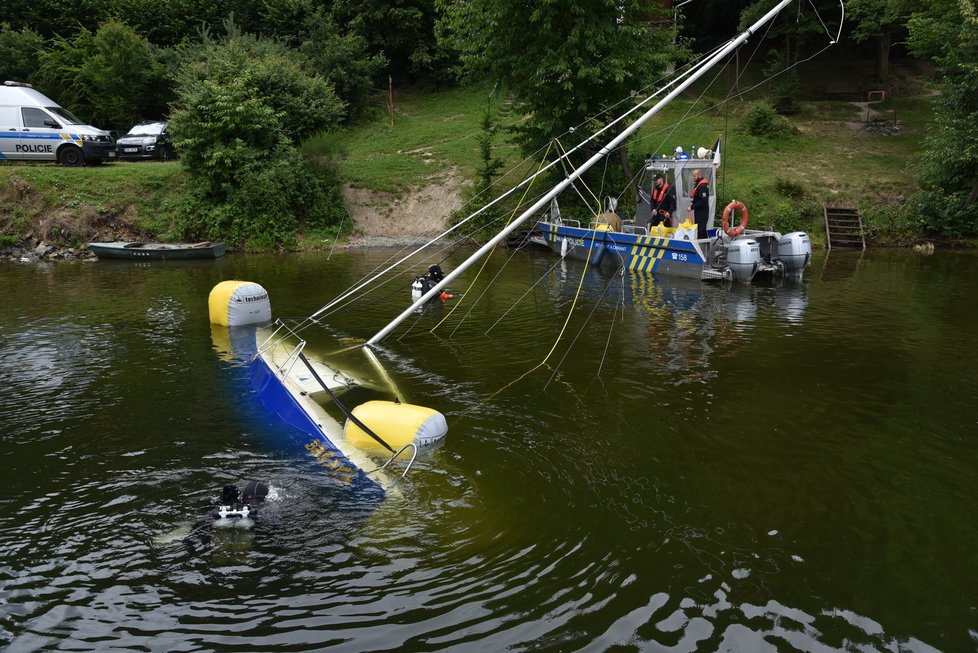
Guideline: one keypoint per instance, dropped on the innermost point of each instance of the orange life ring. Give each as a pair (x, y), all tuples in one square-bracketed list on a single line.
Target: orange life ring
[(733, 232)]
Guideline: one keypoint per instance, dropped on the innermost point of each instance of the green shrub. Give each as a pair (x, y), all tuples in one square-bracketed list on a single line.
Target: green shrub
[(890, 223), (764, 122), (241, 108), (112, 78)]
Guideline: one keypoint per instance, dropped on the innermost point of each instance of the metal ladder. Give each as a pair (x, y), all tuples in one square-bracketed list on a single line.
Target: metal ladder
[(843, 227)]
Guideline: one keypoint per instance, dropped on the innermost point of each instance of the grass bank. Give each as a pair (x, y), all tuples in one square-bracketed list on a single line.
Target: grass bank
[(70, 206), (784, 180)]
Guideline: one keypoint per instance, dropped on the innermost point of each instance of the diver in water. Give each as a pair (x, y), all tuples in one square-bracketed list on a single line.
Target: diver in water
[(238, 508), (428, 281)]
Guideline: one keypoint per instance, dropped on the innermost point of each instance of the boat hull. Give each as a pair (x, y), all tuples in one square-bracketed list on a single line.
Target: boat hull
[(755, 254), (157, 251), (285, 387), (641, 253)]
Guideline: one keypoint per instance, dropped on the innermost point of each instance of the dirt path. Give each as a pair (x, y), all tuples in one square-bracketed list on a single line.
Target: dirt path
[(381, 218)]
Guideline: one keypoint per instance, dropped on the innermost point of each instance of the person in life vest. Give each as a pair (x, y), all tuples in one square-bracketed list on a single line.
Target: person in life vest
[(663, 203), (699, 204)]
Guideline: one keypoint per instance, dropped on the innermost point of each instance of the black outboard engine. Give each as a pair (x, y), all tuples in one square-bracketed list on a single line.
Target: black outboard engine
[(426, 282), (238, 508)]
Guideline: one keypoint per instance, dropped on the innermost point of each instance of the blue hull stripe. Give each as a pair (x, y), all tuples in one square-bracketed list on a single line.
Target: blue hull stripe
[(277, 399)]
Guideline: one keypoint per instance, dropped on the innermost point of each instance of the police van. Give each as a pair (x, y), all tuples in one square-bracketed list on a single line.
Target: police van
[(34, 127)]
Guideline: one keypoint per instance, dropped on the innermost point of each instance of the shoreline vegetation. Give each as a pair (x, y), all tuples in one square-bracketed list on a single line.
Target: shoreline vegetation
[(407, 182)]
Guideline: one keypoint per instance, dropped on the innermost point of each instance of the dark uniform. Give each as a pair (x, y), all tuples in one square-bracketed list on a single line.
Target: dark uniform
[(700, 204), (663, 202)]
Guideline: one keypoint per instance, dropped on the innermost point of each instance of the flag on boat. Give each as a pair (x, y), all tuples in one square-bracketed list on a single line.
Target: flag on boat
[(716, 154)]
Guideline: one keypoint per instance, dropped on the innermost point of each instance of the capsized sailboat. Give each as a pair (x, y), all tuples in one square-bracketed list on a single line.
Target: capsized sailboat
[(308, 393)]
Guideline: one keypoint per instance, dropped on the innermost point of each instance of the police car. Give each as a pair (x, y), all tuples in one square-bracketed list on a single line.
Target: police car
[(34, 127)]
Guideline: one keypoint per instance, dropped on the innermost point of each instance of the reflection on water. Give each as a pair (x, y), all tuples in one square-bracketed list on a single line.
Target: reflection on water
[(697, 466)]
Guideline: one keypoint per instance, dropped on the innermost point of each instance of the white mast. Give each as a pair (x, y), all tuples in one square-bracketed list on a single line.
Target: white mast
[(556, 190)]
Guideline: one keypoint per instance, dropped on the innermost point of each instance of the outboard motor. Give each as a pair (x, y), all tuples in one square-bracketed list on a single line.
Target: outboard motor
[(743, 258), (238, 508), (795, 250)]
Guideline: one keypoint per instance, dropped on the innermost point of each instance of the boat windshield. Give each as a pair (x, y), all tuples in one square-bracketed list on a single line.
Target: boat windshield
[(65, 115)]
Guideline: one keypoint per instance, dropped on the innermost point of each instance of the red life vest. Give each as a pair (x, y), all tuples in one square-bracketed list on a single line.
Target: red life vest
[(701, 182), (659, 194)]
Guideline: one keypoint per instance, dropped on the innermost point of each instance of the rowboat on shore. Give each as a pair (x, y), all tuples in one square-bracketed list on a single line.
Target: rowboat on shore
[(157, 251)]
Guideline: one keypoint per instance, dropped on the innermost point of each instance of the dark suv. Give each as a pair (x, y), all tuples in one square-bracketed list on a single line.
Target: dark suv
[(146, 141)]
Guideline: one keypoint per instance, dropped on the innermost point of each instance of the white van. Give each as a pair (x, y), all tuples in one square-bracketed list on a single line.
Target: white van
[(34, 127)]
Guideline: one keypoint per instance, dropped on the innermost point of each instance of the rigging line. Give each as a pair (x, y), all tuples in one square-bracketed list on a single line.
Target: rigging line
[(338, 229), (742, 70), (485, 262), (604, 174), (421, 313), (689, 66), (815, 9), (614, 315), (349, 415), (560, 335), (486, 289), (581, 179), (745, 91), (693, 105), (523, 296), (570, 347)]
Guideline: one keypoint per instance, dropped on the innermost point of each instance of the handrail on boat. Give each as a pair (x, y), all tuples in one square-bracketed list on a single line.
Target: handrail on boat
[(634, 229), (398, 453), (568, 221), (261, 347), (293, 356)]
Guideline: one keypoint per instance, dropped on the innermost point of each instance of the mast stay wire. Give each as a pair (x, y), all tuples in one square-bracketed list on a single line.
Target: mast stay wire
[(486, 289), (614, 277), (536, 283), (560, 334), (766, 80), (512, 216), (564, 162), (690, 68)]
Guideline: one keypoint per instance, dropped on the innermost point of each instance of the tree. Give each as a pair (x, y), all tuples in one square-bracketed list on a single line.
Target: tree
[(242, 106), (796, 29), (19, 54), (343, 59), (400, 31), (565, 61), (947, 33), (881, 20), (111, 78)]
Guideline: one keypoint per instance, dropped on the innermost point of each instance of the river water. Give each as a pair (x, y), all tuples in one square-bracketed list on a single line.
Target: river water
[(694, 468)]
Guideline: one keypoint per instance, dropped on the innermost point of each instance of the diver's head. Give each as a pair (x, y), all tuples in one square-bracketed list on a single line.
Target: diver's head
[(254, 492), (230, 495)]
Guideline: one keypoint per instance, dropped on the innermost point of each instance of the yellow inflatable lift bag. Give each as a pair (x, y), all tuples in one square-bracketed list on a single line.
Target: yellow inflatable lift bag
[(234, 303), (396, 424)]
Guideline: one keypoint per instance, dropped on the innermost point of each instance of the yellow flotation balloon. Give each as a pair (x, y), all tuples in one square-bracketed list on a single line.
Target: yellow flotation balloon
[(396, 424), (234, 303)]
